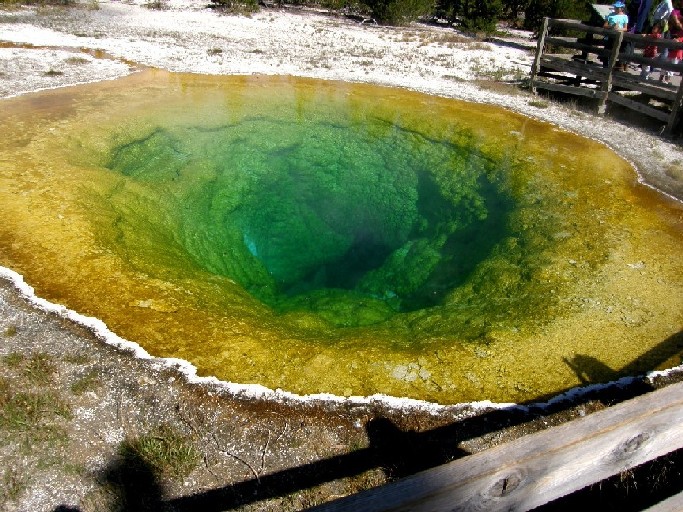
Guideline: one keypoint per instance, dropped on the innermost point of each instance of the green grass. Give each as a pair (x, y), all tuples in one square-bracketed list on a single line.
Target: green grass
[(28, 411), (165, 451), (539, 104), (10, 330), (499, 87), (12, 484), (40, 368), (13, 360), (157, 5), (76, 60), (89, 382), (78, 359), (5, 391)]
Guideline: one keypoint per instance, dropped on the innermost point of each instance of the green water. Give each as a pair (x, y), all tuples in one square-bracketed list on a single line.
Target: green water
[(340, 238), (296, 212)]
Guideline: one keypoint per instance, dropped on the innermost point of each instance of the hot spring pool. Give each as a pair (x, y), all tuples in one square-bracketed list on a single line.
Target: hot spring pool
[(326, 237)]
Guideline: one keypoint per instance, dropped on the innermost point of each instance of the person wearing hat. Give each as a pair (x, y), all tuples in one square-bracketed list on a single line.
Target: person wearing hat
[(617, 19)]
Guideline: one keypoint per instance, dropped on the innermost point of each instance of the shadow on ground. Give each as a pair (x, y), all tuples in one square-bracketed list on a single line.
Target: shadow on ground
[(400, 453)]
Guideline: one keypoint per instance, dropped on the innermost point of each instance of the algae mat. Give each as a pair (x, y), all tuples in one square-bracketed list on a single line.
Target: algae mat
[(326, 237)]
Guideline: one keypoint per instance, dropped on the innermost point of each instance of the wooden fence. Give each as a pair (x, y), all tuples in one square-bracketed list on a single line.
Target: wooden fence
[(541, 467), (589, 64)]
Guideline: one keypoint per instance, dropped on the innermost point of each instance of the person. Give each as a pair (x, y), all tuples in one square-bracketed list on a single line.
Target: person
[(639, 13), (676, 31), (660, 14), (651, 51), (617, 19)]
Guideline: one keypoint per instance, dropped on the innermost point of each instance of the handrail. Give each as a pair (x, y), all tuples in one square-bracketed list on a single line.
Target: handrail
[(541, 467), (610, 47)]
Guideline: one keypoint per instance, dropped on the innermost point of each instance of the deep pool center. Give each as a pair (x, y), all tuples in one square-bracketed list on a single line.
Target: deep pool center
[(372, 216), (325, 237)]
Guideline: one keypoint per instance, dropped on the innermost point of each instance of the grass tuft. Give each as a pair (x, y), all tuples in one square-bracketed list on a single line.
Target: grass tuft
[(78, 358), (12, 484), (165, 451), (539, 104), (89, 382), (76, 61), (14, 359), (40, 368), (26, 412)]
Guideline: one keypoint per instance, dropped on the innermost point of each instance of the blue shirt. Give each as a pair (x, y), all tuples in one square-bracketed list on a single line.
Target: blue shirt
[(617, 21)]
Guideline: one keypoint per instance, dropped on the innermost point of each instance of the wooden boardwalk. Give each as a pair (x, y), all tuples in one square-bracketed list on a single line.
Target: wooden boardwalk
[(590, 64), (541, 467)]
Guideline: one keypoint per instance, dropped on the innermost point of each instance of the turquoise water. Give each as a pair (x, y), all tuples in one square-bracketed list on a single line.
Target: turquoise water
[(301, 213)]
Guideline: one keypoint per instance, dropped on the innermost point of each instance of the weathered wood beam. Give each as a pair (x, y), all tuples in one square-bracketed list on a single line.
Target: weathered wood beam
[(568, 89), (588, 48), (639, 107), (577, 25), (541, 467), (673, 118), (536, 66), (657, 63), (574, 67), (666, 92)]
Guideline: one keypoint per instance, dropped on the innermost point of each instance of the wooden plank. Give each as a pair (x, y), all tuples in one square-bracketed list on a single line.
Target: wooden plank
[(575, 45), (673, 118), (657, 63), (639, 107), (673, 504), (540, 467), (536, 67), (561, 40), (577, 25), (576, 68), (652, 88), (607, 84), (643, 40), (568, 89)]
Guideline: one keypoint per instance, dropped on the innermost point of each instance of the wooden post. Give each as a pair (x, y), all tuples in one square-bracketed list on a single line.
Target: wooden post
[(538, 468), (674, 110), (607, 84), (536, 66)]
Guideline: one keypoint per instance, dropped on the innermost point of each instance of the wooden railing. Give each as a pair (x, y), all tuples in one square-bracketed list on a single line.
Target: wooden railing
[(541, 467), (589, 65)]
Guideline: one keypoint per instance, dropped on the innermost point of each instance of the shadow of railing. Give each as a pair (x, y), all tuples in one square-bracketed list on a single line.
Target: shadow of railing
[(590, 370), (398, 453)]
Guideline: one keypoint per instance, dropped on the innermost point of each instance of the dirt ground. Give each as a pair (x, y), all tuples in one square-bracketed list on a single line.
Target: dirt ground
[(85, 426)]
